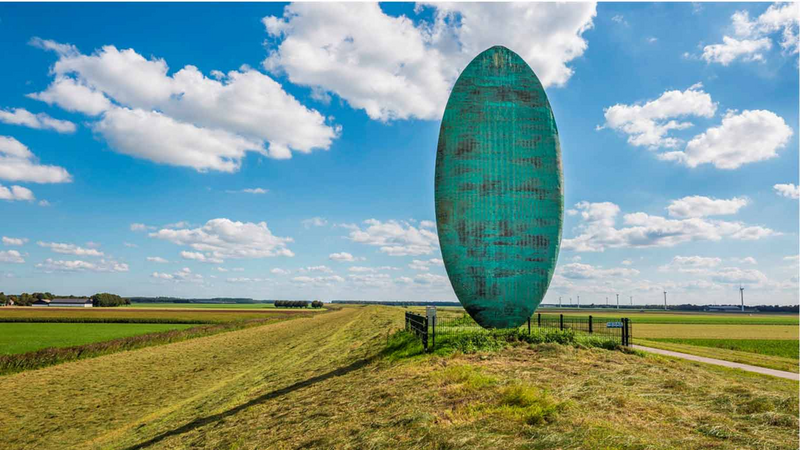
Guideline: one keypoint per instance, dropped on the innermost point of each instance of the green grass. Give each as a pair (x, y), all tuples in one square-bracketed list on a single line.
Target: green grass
[(755, 359), (141, 315), (26, 337), (343, 380), (774, 347), (205, 305)]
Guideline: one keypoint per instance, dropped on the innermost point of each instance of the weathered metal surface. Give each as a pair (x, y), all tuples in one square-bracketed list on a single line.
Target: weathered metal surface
[(499, 189)]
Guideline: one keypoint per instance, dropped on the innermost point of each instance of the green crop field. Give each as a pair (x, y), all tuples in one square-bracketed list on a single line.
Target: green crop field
[(204, 305), (142, 315), (27, 337), (343, 379), (776, 347)]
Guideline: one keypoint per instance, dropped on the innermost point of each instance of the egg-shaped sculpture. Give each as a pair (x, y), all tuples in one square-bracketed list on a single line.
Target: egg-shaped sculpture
[(499, 189)]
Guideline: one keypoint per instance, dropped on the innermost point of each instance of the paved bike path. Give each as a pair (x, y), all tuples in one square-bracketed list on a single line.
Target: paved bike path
[(719, 362)]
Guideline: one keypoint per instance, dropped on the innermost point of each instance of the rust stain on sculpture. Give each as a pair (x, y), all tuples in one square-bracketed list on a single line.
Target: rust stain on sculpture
[(499, 189)]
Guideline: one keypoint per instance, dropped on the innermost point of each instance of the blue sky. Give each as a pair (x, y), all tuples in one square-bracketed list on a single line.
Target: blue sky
[(287, 151)]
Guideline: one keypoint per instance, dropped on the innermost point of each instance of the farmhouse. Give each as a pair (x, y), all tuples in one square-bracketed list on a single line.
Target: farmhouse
[(71, 302), (42, 302)]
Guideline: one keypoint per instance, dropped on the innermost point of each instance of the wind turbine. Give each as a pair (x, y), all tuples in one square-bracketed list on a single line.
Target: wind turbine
[(617, 301), (665, 300), (741, 293)]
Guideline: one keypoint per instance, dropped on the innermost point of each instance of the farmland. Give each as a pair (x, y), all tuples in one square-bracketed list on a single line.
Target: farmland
[(344, 379), (27, 337), (141, 315)]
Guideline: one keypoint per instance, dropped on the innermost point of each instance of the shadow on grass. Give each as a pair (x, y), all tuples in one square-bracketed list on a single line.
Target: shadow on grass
[(199, 422)]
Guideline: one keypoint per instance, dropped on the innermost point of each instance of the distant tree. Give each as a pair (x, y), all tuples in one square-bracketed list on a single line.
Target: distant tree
[(316, 304), (106, 300), (3, 299)]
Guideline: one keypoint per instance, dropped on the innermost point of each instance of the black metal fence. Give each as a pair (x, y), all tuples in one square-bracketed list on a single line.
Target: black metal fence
[(612, 329), (418, 325)]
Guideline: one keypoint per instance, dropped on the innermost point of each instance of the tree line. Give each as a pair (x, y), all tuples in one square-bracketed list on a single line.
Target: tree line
[(297, 304), (103, 299)]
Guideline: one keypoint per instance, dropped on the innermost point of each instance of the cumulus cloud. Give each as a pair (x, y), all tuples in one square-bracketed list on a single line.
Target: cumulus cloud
[(323, 269), (587, 271), (249, 191), (394, 69), (742, 138), (364, 269), (16, 193), (754, 36), (691, 264), (314, 222), (70, 249), (425, 265), (278, 271), (11, 256), (40, 121), (598, 230), (732, 49), (318, 281), (51, 265), (18, 163), (140, 227), (396, 238), (224, 238), (182, 119), (14, 241), (700, 206), (735, 275), (181, 276), (788, 190), (157, 259), (648, 125), (197, 256), (344, 257)]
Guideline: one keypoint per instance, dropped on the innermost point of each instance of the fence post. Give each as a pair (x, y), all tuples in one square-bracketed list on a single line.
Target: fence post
[(433, 345), (624, 332), (590, 324), (529, 326), (539, 320), (561, 321), (425, 335)]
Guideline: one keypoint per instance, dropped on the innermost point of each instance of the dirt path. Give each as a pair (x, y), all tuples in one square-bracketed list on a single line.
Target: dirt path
[(719, 362)]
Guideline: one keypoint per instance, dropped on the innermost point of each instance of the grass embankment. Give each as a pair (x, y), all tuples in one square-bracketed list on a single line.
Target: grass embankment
[(27, 337), (338, 380)]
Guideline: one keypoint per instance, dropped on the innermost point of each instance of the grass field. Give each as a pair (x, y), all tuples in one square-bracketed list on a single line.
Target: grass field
[(142, 315), (338, 380), (206, 305), (773, 347), (683, 331), (756, 359), (27, 337)]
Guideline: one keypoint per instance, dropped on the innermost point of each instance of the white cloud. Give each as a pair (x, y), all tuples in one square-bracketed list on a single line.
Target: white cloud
[(157, 259), (732, 49), (427, 224), (50, 265), (754, 35), (788, 190), (597, 230), (741, 139), (249, 191), (14, 241), (11, 256), (393, 69), (224, 238), (431, 279), (425, 265), (648, 125), (792, 258), (129, 245), (700, 206), (18, 163), (183, 119), (620, 19), (244, 280), (44, 203), (318, 281), (314, 222), (344, 257), (183, 275), (197, 256), (323, 269), (363, 269), (40, 121), (70, 249), (396, 238), (371, 280), (691, 264), (278, 271), (140, 227), (16, 193), (625, 262), (587, 271), (735, 275), (745, 260)]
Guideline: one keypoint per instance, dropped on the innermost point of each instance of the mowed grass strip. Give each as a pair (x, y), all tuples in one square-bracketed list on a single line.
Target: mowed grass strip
[(755, 359), (27, 337), (138, 315), (774, 347)]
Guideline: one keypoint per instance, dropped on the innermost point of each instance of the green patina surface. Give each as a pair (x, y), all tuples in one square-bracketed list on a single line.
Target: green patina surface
[(499, 189)]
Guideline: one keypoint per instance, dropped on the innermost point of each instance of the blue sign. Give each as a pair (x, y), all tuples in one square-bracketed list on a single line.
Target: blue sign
[(614, 325)]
